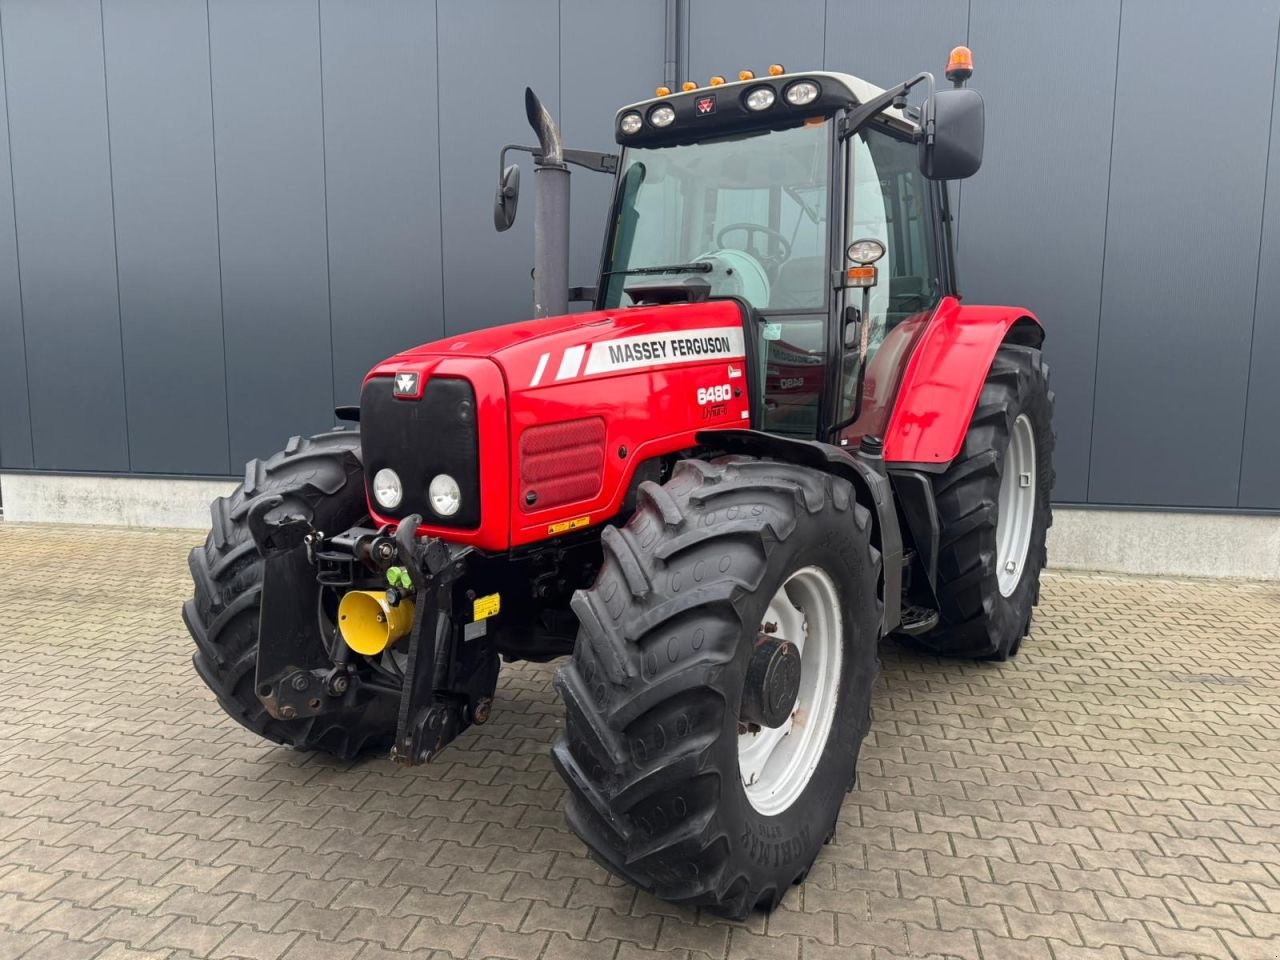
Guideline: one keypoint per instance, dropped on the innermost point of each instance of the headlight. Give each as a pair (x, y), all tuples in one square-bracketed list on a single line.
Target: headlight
[(662, 116), (801, 92), (446, 497), (630, 122), (386, 489), (761, 98)]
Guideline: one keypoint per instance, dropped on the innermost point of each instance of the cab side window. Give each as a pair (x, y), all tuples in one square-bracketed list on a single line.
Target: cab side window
[(890, 203)]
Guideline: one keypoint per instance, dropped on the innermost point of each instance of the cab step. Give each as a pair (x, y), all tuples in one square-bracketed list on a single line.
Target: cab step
[(917, 620)]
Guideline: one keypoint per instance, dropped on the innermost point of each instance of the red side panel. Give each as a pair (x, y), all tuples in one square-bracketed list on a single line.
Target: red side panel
[(618, 388), (943, 379)]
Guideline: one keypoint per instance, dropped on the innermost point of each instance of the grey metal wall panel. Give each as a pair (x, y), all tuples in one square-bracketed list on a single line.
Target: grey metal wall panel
[(1260, 463), (887, 43), (1182, 253), (383, 180), (158, 101), (596, 79), (726, 36), (1021, 242), (269, 148), (15, 412), (490, 50), (347, 201), (66, 245)]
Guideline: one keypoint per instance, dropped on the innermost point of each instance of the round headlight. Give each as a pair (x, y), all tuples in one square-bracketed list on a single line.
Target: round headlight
[(445, 495), (631, 122), (662, 116), (801, 92), (761, 98), (865, 251), (386, 488)]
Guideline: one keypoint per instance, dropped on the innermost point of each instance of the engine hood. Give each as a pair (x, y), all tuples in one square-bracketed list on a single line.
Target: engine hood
[(586, 346)]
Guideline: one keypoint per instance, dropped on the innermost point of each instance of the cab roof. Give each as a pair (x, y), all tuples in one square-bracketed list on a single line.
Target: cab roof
[(727, 111)]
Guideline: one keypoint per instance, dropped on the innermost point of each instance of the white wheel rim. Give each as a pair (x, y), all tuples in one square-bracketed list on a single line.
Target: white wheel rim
[(776, 764), (1016, 506)]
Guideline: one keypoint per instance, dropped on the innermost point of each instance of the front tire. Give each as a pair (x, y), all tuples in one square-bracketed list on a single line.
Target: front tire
[(322, 478), (994, 512), (654, 751)]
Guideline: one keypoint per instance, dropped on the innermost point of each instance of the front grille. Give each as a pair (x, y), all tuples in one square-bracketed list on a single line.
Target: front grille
[(561, 463), (419, 439)]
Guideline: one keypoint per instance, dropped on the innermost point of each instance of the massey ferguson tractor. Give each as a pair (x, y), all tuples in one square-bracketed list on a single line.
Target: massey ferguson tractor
[(777, 439)]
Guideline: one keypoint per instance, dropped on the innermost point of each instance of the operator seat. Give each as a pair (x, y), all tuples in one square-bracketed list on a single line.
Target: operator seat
[(800, 284)]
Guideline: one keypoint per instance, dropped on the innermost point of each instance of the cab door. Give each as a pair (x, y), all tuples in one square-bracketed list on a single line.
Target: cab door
[(889, 201)]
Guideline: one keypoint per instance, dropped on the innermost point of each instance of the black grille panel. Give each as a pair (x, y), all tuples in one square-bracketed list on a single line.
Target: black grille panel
[(419, 439)]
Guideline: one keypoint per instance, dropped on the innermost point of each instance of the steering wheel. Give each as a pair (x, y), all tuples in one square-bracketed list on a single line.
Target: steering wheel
[(772, 263)]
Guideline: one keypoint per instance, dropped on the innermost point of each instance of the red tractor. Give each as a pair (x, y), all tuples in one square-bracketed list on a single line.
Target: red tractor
[(778, 439)]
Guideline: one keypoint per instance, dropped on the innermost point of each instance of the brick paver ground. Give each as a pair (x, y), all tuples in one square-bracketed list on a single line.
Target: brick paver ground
[(1114, 792)]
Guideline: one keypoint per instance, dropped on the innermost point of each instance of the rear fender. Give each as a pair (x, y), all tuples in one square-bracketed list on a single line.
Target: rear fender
[(944, 377), (872, 486)]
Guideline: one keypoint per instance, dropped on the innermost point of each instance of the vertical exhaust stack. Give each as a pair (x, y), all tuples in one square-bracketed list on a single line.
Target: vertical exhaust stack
[(551, 213)]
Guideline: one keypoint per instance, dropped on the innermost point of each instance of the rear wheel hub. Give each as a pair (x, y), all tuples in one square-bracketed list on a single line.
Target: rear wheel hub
[(773, 682)]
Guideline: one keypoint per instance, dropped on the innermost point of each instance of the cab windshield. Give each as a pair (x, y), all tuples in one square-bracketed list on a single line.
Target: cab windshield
[(747, 214)]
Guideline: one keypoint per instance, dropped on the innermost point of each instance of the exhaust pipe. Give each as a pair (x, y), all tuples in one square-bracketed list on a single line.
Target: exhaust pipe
[(551, 213)]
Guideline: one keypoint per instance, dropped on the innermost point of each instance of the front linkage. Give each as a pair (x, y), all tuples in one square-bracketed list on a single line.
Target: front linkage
[(444, 679)]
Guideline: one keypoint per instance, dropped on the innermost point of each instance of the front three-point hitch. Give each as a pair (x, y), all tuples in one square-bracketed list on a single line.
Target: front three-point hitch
[(364, 614)]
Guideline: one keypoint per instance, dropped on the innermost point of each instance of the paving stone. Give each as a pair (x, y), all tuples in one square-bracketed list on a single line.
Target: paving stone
[(1110, 793), (192, 936), (252, 944), (572, 922), (130, 928), (14, 945), (495, 942), (58, 948)]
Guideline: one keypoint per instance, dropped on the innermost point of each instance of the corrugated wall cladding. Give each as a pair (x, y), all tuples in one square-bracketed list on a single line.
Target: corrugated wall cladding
[(216, 215)]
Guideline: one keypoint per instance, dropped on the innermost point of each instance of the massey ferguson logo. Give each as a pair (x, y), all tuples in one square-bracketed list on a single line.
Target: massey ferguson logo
[(406, 385), (705, 105)]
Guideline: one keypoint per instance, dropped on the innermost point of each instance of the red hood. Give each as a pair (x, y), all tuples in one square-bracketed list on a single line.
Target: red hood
[(644, 380), (539, 353), (487, 342)]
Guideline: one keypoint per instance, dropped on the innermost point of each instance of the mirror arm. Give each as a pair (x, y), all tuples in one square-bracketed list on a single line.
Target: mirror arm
[(502, 156), (895, 97), (587, 159), (592, 160), (928, 112)]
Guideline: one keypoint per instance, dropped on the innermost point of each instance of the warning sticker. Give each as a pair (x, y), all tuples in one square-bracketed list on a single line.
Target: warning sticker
[(485, 607), (663, 349), (564, 526)]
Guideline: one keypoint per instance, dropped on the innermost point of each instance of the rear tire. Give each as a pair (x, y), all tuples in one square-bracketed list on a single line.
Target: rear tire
[(986, 605), (653, 692), (322, 478)]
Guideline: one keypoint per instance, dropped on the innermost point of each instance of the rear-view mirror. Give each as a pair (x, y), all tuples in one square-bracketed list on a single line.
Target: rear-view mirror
[(506, 199), (958, 132)]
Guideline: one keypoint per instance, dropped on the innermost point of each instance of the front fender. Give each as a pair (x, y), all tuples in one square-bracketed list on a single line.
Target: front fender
[(944, 377)]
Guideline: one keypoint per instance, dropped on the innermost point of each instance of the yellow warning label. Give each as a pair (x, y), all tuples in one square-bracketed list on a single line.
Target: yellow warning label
[(485, 607), (564, 526)]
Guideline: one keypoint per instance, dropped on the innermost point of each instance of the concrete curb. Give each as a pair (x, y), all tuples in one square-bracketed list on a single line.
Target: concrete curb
[(1148, 542)]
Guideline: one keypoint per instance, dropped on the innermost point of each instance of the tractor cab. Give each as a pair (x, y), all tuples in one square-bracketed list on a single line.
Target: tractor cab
[(763, 191)]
